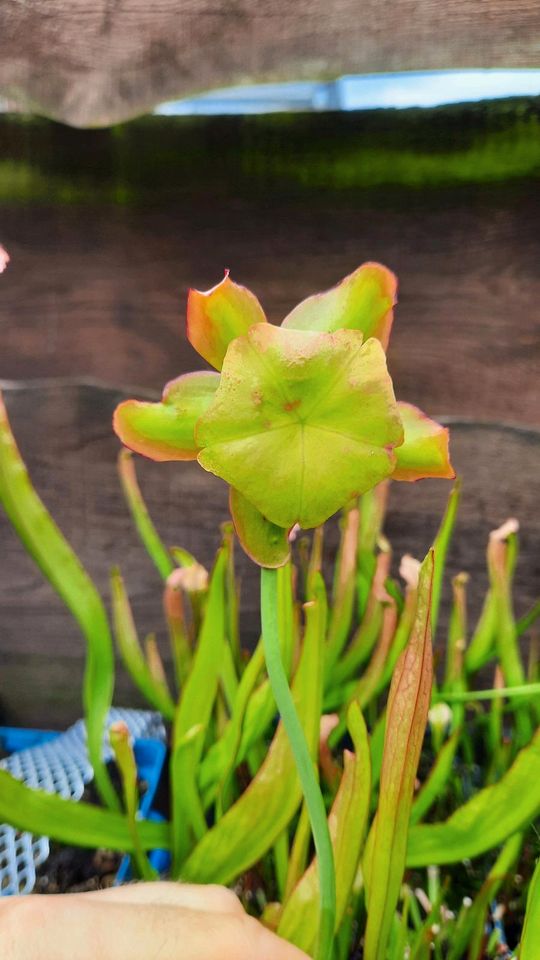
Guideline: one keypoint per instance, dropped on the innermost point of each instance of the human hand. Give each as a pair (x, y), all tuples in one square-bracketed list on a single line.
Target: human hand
[(143, 921)]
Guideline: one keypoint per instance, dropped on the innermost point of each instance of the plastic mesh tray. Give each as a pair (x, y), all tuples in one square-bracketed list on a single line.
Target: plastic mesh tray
[(58, 763)]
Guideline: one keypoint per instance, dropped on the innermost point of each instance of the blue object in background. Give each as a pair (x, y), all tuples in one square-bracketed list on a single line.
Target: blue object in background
[(422, 88), (150, 757), (58, 763)]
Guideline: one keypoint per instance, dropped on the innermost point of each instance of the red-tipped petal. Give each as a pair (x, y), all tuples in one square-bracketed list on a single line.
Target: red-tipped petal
[(424, 451), (217, 316), (166, 430), (362, 301)]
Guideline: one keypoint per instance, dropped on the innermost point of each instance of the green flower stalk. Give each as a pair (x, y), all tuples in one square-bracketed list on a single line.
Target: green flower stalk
[(299, 420)]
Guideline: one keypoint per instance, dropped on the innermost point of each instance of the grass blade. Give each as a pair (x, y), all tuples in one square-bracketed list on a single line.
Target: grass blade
[(486, 820), (528, 948), (303, 760), (440, 548), (60, 565), (156, 691), (347, 823), (408, 705), (344, 588), (438, 777), (274, 795), (76, 823), (471, 931), (125, 761), (193, 715), (150, 538)]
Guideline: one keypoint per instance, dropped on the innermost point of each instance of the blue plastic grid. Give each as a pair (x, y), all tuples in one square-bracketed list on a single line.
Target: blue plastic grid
[(58, 763)]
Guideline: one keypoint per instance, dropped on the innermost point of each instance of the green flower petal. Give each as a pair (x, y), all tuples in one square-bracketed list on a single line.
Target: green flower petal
[(424, 452), (362, 301), (219, 315), (166, 430), (302, 422), (264, 542)]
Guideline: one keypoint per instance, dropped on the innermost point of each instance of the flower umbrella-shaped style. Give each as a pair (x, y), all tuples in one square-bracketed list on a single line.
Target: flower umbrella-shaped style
[(302, 418)]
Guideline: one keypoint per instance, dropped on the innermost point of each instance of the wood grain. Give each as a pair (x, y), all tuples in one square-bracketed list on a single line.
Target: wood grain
[(108, 300), (64, 434), (100, 62)]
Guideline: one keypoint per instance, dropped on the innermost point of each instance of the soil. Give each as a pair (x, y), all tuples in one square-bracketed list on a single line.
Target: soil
[(77, 869)]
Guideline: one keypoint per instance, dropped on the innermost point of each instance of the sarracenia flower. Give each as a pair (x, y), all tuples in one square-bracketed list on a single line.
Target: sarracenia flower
[(301, 419)]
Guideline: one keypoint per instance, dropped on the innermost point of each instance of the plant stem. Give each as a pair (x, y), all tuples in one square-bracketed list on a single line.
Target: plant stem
[(463, 696), (304, 763)]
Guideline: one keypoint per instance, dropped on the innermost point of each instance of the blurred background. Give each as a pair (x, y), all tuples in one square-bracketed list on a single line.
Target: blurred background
[(145, 148)]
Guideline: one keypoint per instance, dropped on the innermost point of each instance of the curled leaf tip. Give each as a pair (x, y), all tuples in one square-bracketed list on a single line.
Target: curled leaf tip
[(119, 729), (166, 430), (217, 316), (363, 301), (424, 452)]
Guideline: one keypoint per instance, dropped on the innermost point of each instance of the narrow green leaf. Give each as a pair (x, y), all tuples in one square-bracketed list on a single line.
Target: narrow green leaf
[(182, 557), (180, 632), (437, 779), (260, 708), (125, 761), (343, 593), (303, 757), (470, 929), (372, 507), (150, 538), (527, 620), (156, 692), (502, 545), (347, 823), (299, 852), (364, 301), (51, 552), (76, 823), (369, 683), (457, 633), (193, 713), (361, 645), (231, 737), (484, 639), (408, 705), (402, 634), (274, 795), (376, 744), (440, 548), (482, 645), (528, 948), (216, 317), (486, 820)]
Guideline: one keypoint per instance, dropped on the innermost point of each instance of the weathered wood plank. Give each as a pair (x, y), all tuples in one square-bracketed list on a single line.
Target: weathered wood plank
[(65, 436), (98, 288), (100, 62)]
